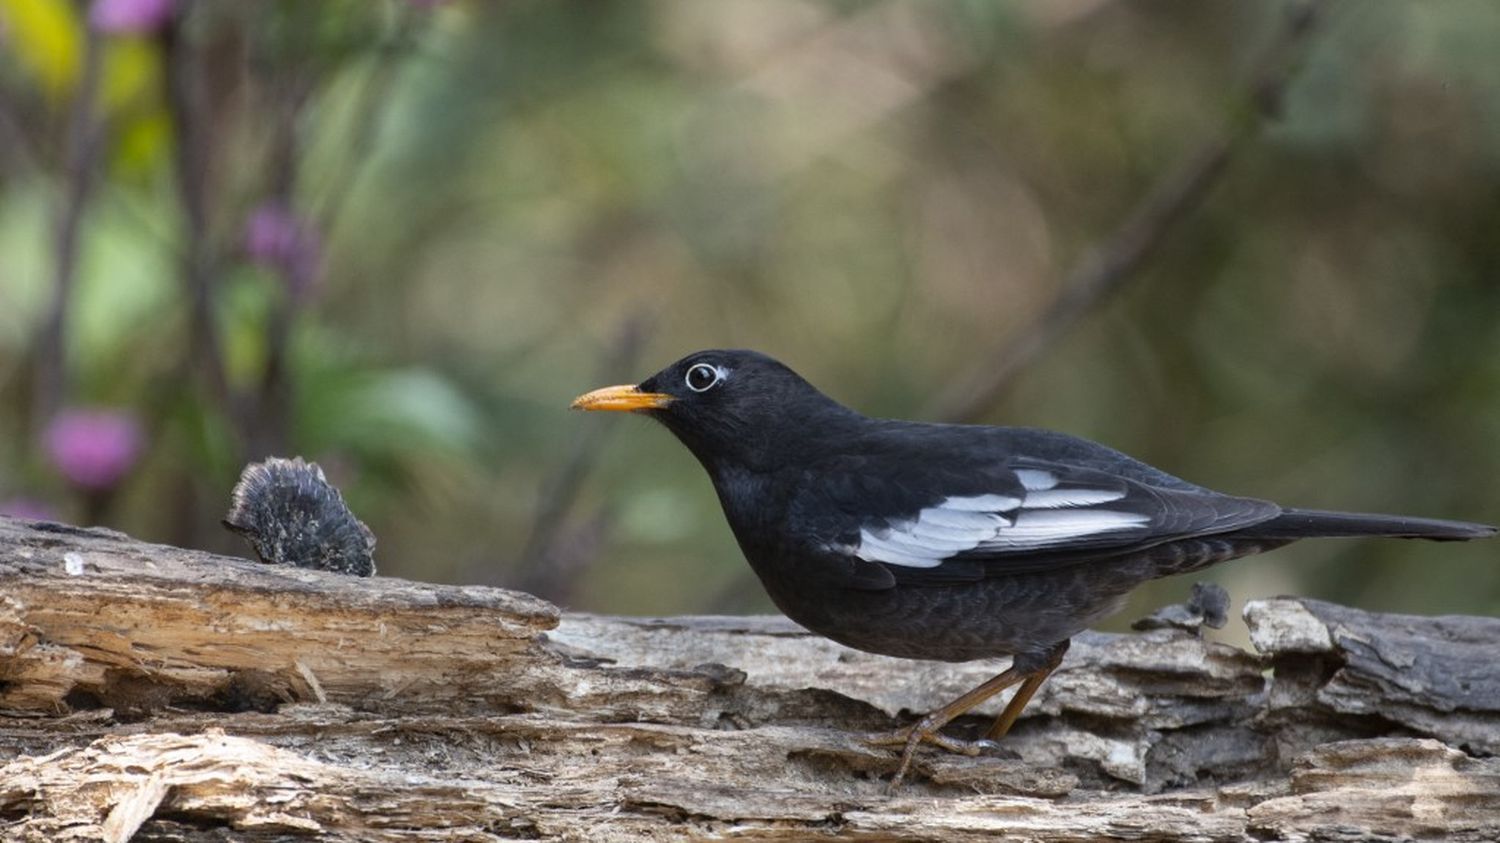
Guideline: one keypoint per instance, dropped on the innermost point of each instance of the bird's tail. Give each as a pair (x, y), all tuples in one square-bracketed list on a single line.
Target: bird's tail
[(1313, 523)]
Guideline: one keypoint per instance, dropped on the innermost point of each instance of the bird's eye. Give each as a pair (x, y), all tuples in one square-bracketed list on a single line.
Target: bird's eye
[(703, 377)]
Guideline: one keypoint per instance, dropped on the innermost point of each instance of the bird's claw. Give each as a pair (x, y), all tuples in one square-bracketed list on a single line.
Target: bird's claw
[(910, 737)]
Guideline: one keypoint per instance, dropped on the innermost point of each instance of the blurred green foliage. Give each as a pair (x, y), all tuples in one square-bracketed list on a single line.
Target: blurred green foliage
[(877, 193)]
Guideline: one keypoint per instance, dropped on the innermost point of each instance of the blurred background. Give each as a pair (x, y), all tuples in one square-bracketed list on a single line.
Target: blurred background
[(398, 237)]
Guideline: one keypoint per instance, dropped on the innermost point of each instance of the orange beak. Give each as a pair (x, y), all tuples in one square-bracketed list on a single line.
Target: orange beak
[(620, 399)]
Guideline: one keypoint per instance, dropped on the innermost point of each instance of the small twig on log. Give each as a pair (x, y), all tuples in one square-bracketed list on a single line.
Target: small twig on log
[(1112, 263)]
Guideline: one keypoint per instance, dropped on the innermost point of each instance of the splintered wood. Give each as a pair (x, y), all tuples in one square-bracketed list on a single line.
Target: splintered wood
[(150, 693)]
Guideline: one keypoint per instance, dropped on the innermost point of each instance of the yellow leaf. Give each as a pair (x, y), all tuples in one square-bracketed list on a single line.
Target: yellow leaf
[(47, 39), (141, 143), (131, 76)]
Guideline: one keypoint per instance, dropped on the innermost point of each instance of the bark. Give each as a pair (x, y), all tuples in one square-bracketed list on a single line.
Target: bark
[(154, 694)]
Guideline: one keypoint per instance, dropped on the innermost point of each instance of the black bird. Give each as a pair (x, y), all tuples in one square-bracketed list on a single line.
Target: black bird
[(951, 542)]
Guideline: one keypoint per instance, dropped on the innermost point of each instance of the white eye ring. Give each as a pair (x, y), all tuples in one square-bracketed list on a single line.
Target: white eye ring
[(698, 371)]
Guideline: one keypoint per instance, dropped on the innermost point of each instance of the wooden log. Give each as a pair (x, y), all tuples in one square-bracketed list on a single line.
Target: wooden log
[(154, 693)]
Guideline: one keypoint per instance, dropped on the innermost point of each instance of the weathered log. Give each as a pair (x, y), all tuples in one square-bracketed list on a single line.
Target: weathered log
[(175, 695)]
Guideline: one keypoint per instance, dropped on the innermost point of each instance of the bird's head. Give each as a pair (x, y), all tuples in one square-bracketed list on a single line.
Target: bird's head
[(726, 405)]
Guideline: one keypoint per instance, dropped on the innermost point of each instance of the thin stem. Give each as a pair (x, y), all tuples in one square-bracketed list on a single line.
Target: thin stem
[(190, 160), (374, 101), (85, 139), (20, 149), (1118, 258), (270, 424), (535, 571)]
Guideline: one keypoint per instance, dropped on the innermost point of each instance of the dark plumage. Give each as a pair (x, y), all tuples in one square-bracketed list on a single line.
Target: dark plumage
[(291, 515), (951, 542)]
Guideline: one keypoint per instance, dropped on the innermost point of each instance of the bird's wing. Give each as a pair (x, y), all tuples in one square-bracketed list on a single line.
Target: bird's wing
[(1022, 516)]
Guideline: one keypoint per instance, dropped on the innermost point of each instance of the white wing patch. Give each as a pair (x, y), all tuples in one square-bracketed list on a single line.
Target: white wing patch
[(979, 503), (1036, 480), (1045, 528), (1042, 492), (1056, 498), (1046, 517)]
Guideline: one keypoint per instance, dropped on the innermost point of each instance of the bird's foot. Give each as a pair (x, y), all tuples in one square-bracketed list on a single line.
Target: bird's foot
[(923, 731)]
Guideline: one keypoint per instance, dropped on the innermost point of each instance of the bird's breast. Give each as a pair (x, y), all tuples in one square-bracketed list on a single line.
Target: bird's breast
[(751, 506)]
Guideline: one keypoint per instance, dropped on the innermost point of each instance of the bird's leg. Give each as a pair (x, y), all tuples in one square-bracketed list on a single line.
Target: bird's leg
[(1013, 708), (927, 728), (1018, 702), (1028, 671)]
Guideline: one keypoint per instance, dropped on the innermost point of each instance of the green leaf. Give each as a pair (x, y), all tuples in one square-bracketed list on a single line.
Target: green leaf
[(386, 412)]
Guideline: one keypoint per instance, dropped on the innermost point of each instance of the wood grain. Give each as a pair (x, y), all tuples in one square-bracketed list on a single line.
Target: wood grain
[(154, 693)]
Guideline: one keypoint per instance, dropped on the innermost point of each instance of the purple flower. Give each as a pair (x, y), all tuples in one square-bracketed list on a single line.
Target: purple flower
[(129, 17), (278, 238), (28, 508), (94, 449)]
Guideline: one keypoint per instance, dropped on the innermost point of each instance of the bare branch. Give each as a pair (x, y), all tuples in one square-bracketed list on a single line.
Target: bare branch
[(191, 147), (1119, 257), (85, 138), (537, 570), (371, 106), (21, 152)]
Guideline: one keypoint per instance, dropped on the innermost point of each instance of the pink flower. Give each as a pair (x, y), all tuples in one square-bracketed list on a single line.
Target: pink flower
[(278, 238), (28, 508), (94, 449), (129, 17)]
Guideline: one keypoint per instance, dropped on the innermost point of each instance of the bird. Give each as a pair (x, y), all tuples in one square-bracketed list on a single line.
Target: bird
[(951, 542)]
